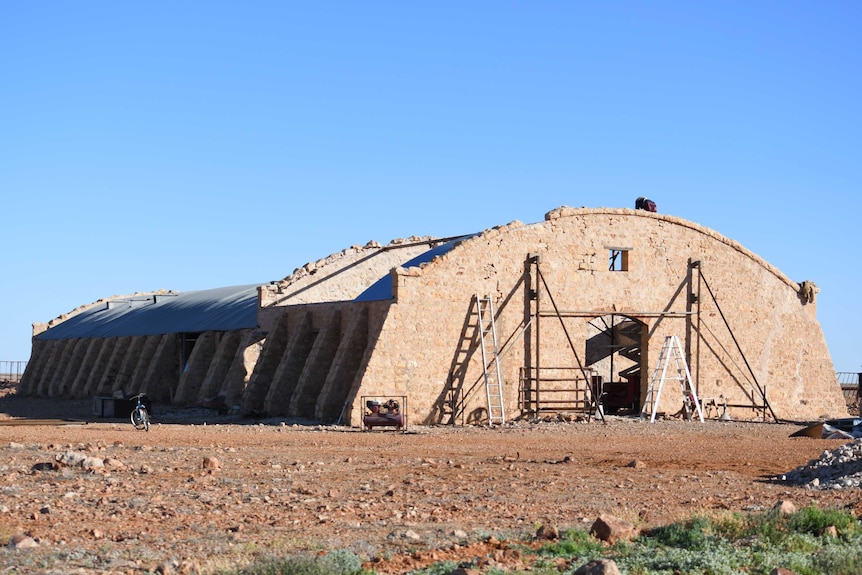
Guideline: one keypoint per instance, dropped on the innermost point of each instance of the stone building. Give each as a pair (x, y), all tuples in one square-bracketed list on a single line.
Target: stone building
[(584, 306)]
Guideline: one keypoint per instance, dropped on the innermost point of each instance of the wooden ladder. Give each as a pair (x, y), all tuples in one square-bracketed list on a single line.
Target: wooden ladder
[(490, 360)]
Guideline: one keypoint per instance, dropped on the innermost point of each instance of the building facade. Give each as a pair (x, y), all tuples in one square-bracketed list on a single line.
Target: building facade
[(583, 303)]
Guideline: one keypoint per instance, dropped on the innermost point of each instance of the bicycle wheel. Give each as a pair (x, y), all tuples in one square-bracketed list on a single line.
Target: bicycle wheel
[(140, 418)]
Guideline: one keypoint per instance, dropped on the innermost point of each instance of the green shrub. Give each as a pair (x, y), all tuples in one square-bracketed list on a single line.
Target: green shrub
[(695, 534), (775, 527), (754, 544), (573, 543), (439, 568), (815, 520), (340, 562), (840, 558), (722, 559)]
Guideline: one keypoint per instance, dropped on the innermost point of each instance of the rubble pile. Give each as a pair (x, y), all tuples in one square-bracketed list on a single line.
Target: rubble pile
[(840, 468)]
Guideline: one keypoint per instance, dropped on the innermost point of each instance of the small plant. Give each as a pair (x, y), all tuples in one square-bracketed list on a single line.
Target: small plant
[(839, 560), (697, 534), (647, 559), (755, 544), (773, 527), (573, 543), (814, 520), (440, 568), (340, 562)]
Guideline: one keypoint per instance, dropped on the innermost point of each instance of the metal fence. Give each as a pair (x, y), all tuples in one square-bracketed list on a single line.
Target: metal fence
[(11, 371), (850, 386)]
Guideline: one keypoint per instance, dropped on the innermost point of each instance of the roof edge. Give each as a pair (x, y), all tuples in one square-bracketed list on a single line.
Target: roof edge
[(41, 327), (566, 212)]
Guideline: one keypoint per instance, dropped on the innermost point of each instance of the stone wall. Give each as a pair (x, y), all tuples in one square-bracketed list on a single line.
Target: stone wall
[(743, 325), (419, 350), (341, 276)]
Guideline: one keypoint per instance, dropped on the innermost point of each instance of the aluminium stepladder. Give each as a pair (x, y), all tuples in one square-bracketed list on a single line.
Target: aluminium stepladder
[(671, 351), (490, 359)]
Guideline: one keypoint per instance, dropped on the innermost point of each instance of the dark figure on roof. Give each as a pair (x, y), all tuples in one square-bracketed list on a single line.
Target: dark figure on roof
[(647, 204)]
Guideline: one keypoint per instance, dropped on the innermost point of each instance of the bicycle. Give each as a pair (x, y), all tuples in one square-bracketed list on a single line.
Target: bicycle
[(140, 417)]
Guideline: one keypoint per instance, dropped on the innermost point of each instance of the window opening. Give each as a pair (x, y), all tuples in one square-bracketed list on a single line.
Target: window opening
[(618, 259)]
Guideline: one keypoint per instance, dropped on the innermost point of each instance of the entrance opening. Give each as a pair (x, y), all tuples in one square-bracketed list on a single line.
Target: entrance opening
[(187, 344), (613, 353)]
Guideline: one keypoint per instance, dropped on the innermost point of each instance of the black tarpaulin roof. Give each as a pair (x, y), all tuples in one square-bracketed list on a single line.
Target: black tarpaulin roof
[(382, 288), (220, 309)]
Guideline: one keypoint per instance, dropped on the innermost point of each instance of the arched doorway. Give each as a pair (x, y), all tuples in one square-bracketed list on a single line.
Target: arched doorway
[(613, 354)]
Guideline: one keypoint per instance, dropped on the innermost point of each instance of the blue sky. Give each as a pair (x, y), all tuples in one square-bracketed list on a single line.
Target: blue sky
[(190, 145)]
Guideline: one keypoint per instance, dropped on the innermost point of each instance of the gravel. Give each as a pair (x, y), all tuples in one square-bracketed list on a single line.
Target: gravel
[(839, 468)]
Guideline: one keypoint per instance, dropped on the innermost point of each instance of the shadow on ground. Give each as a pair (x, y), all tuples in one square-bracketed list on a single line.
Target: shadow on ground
[(17, 410)]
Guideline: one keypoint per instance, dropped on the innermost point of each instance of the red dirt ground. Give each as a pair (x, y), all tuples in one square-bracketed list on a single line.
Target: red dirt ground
[(200, 492)]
